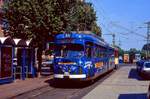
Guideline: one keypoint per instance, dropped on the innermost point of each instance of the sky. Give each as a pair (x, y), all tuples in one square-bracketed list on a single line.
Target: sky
[(125, 18)]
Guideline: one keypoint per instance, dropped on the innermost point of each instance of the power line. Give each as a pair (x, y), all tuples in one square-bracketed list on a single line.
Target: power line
[(114, 38), (130, 31), (106, 18), (103, 13), (148, 32), (107, 21)]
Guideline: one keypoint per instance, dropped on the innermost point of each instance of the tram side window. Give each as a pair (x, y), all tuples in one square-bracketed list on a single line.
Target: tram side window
[(89, 49), (89, 52), (99, 52), (96, 52)]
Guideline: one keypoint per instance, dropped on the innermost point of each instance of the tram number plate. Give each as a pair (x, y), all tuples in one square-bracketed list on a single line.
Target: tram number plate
[(66, 74), (66, 77)]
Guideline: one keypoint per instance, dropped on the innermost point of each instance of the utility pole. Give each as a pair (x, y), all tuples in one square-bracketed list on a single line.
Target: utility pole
[(119, 42), (113, 38), (148, 32), (148, 39)]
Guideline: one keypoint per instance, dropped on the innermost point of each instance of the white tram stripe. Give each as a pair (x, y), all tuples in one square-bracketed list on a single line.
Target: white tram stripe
[(70, 76)]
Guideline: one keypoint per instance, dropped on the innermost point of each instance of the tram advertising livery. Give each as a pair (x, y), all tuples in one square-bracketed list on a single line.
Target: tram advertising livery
[(82, 56)]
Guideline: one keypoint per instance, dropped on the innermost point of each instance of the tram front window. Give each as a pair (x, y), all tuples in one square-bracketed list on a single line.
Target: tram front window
[(69, 50)]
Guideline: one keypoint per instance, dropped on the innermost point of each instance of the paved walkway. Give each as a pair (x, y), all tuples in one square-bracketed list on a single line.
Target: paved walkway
[(123, 84), (22, 86)]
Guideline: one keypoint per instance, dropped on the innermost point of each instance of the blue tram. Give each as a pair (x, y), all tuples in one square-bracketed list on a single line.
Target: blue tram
[(82, 56)]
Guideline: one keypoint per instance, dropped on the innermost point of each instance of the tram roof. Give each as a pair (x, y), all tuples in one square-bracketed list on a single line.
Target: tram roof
[(90, 36)]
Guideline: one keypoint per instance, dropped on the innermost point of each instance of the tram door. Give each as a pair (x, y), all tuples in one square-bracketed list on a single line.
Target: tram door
[(6, 63), (88, 51)]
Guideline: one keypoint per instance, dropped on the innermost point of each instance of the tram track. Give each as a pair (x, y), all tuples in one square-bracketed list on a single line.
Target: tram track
[(63, 90)]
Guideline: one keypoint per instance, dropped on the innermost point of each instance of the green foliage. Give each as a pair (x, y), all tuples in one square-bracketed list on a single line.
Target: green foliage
[(134, 51), (41, 19), (32, 18), (96, 29), (38, 19), (86, 16), (77, 16), (121, 51), (143, 54)]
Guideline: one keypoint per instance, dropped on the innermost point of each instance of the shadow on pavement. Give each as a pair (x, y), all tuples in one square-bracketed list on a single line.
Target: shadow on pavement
[(133, 96), (76, 84), (133, 74), (67, 84)]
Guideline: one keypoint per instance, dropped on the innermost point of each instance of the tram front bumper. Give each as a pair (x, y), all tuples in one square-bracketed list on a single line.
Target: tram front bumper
[(78, 76)]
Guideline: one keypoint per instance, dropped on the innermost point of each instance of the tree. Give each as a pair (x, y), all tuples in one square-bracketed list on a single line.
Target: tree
[(96, 29), (77, 16), (38, 18), (35, 19), (41, 19), (121, 51), (32, 18), (86, 16)]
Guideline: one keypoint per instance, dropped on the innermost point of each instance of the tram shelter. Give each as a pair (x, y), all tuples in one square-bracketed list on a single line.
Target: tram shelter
[(23, 59), (6, 59)]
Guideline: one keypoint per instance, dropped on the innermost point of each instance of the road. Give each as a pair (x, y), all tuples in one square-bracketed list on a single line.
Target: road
[(121, 84)]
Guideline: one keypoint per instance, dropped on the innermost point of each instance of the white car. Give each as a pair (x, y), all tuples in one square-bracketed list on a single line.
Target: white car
[(145, 72)]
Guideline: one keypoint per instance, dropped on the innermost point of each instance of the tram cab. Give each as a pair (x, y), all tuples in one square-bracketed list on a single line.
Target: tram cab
[(81, 56), (69, 60)]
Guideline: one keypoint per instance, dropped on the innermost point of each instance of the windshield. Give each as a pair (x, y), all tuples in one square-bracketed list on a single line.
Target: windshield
[(147, 65), (69, 50)]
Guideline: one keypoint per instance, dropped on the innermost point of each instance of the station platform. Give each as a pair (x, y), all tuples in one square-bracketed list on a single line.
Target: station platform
[(123, 84), (10, 90)]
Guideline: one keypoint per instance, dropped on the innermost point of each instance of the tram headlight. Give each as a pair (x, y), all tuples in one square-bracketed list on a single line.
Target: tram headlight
[(81, 63)]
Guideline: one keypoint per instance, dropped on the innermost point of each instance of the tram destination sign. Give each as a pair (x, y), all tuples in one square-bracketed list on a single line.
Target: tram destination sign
[(68, 40)]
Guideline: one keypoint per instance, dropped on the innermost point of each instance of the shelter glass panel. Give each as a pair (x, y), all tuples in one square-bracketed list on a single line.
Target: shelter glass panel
[(6, 62)]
